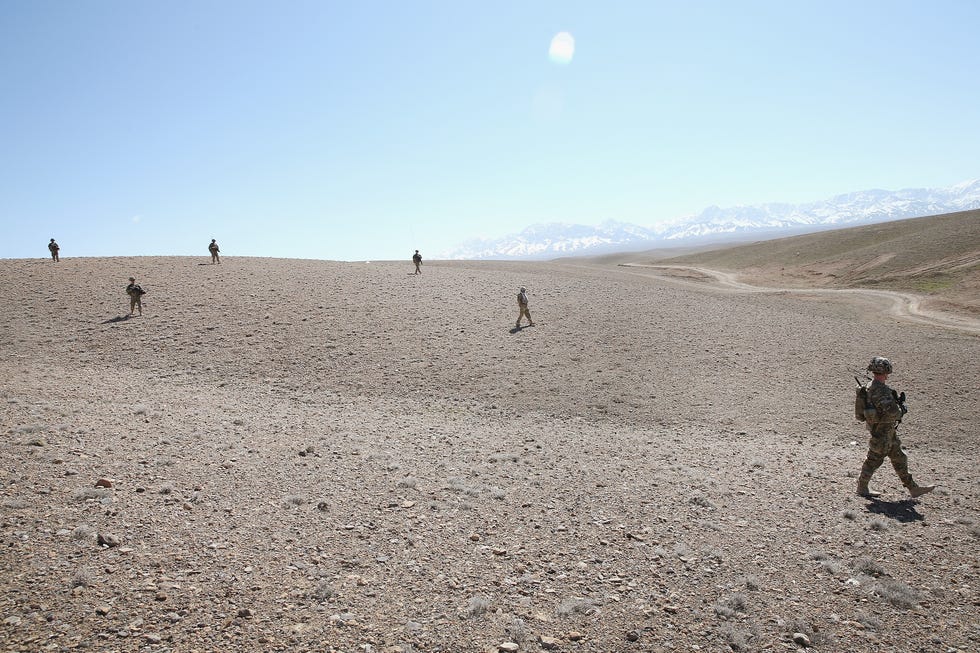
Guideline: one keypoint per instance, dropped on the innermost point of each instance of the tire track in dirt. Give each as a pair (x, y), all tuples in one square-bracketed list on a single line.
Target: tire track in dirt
[(904, 306)]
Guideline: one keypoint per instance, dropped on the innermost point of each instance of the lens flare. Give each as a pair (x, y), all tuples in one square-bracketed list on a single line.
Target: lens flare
[(562, 48)]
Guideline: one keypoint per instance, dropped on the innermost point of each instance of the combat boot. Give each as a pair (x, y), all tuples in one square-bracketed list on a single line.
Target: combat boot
[(918, 490), (864, 491)]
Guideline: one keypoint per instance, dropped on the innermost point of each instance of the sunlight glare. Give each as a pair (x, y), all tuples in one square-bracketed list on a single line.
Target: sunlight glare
[(562, 48)]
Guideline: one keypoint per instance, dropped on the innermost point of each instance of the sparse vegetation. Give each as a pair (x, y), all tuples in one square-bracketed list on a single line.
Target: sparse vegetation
[(868, 566), (729, 606), (517, 630), (82, 578), (92, 493), (82, 533), (576, 605), (323, 591), (895, 592), (477, 606), (751, 582)]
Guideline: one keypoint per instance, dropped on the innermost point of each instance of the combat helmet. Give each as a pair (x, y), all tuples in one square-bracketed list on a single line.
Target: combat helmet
[(880, 365)]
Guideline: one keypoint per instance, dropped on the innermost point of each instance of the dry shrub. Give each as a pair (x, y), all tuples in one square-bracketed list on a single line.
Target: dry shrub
[(323, 591), (698, 498), (740, 639), (576, 605), (868, 566), (896, 592), (730, 606), (82, 578), (517, 631), (869, 621), (751, 582), (477, 606), (82, 532), (87, 493)]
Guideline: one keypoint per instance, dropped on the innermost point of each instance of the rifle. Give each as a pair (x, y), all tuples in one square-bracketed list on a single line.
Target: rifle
[(900, 400)]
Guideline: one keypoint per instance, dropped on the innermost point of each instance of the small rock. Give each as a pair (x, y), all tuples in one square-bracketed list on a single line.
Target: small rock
[(499, 552), (103, 609), (475, 537), (801, 639), (103, 482), (632, 636), (108, 540), (12, 620), (152, 638), (575, 636), (160, 596), (672, 609), (322, 506), (508, 647), (548, 643), (244, 613)]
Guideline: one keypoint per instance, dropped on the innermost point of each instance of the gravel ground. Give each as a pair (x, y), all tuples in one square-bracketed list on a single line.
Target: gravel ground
[(291, 455)]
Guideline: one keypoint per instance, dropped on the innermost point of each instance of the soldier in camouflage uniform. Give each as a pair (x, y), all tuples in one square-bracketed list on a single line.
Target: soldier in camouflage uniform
[(522, 305), (884, 409)]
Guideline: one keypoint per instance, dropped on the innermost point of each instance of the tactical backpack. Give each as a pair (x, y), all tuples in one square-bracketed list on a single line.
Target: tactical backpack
[(864, 410)]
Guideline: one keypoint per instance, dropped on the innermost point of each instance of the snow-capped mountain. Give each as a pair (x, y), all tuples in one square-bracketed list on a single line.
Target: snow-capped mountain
[(863, 207)]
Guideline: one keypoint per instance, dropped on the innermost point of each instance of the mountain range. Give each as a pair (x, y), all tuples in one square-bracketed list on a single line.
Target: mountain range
[(551, 240)]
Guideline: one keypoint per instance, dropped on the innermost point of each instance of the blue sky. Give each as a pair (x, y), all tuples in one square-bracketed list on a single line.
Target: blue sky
[(365, 130)]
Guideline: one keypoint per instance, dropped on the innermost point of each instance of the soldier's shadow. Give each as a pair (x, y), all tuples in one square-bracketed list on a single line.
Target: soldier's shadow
[(903, 511), (118, 318)]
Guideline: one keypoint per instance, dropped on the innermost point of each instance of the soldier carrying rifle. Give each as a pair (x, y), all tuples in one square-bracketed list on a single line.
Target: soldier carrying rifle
[(882, 409)]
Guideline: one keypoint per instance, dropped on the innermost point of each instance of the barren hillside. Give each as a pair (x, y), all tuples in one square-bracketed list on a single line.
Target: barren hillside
[(287, 455), (938, 257)]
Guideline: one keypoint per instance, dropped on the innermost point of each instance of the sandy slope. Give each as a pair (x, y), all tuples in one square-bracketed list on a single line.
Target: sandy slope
[(307, 455), (906, 306)]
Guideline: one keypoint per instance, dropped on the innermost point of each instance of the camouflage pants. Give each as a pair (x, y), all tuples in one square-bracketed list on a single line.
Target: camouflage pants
[(135, 302), (884, 442), (524, 313)]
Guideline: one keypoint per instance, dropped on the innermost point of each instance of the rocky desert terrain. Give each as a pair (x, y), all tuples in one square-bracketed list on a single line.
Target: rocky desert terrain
[(295, 455)]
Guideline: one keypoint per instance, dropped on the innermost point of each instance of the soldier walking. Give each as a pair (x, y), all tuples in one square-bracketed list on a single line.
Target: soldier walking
[(135, 293), (883, 412), (213, 248), (522, 305), (53, 247), (417, 260)]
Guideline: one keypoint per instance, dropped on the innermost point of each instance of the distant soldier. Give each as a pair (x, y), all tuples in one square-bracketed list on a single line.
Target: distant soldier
[(522, 305), (53, 247), (213, 248), (417, 260), (135, 293), (884, 409)]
